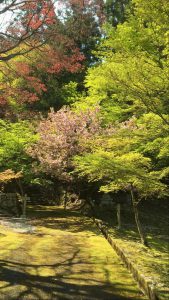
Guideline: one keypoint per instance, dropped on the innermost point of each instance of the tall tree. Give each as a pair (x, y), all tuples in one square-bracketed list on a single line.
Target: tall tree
[(34, 77), (22, 24), (116, 162), (82, 22), (133, 75), (131, 79), (68, 39)]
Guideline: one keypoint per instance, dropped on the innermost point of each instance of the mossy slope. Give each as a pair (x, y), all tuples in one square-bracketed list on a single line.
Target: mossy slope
[(65, 258)]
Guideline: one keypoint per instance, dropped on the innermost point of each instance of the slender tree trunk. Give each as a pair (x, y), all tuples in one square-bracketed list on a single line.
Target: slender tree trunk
[(24, 206), (136, 215), (65, 200), (119, 216), (23, 198), (93, 209), (20, 186)]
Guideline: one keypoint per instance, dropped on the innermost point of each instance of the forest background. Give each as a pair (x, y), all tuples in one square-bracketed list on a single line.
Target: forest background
[(84, 98)]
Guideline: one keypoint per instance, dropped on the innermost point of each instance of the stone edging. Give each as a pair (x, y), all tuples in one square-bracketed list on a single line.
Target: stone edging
[(146, 286)]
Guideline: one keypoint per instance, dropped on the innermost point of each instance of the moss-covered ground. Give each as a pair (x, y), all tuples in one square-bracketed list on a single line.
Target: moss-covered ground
[(64, 257), (152, 262)]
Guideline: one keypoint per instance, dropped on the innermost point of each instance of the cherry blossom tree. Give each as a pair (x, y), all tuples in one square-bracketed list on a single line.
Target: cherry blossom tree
[(61, 136)]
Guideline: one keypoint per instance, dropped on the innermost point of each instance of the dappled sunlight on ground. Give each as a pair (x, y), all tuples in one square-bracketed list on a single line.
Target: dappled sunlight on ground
[(64, 258)]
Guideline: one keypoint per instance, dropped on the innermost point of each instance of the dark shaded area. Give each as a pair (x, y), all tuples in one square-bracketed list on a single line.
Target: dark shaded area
[(154, 219), (10, 204)]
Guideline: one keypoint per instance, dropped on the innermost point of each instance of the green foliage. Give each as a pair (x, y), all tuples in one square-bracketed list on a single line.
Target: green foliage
[(127, 79), (70, 93), (133, 75), (155, 141), (115, 11), (117, 163), (132, 152), (14, 139), (132, 79)]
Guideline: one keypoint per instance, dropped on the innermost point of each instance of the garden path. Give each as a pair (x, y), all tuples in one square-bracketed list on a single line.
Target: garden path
[(63, 257)]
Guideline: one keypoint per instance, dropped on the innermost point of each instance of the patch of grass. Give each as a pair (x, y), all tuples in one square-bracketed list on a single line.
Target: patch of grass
[(9, 241)]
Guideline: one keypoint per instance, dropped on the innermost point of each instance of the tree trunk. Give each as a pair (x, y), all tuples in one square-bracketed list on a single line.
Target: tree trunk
[(119, 216), (23, 198), (93, 209), (65, 200), (20, 186), (136, 215)]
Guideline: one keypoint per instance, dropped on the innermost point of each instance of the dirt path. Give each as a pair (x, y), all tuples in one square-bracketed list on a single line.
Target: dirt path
[(64, 258)]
